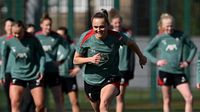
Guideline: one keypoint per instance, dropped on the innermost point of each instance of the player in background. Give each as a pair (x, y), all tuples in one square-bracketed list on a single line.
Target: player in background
[(27, 66), (171, 63), (68, 72), (8, 31), (126, 62), (51, 41)]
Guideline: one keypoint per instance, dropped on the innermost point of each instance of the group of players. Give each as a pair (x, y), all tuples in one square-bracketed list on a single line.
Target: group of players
[(33, 61)]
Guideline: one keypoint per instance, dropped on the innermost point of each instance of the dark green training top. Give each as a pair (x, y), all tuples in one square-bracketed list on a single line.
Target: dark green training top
[(50, 44), (108, 48), (170, 48), (28, 57)]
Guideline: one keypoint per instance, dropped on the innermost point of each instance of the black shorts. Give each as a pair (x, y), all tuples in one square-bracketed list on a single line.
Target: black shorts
[(51, 79), (69, 84), (31, 84), (170, 79), (93, 91), (125, 78)]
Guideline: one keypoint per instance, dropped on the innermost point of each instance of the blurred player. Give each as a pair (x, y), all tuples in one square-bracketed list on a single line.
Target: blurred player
[(171, 62), (50, 42), (68, 72), (126, 63), (27, 67)]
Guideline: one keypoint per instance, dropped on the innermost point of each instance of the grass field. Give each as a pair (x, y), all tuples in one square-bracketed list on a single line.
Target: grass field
[(136, 101)]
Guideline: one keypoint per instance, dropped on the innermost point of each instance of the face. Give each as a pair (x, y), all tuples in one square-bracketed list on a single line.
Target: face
[(46, 25), (116, 24), (17, 31), (167, 25), (31, 30), (8, 27), (100, 27), (61, 32)]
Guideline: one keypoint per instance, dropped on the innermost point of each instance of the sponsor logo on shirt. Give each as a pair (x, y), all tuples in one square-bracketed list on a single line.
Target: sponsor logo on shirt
[(171, 47), (22, 55), (46, 47), (13, 49)]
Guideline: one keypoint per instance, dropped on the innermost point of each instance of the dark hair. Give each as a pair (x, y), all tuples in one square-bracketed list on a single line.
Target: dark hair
[(45, 16), (102, 14), (68, 38), (9, 19), (19, 23), (30, 25)]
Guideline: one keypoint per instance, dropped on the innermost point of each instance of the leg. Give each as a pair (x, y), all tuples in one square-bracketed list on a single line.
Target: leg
[(120, 99), (73, 96), (27, 103), (95, 106), (15, 97), (38, 97), (166, 92), (6, 89), (184, 89), (57, 93), (108, 92)]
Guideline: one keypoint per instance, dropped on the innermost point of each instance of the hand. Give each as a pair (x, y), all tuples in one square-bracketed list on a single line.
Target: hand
[(96, 58), (2, 81), (40, 76), (198, 85), (142, 60), (161, 62), (74, 71), (184, 64)]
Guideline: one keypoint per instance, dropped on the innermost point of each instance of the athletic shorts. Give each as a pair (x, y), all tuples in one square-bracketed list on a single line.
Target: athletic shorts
[(169, 79), (93, 91), (69, 84), (51, 79), (31, 84), (124, 78)]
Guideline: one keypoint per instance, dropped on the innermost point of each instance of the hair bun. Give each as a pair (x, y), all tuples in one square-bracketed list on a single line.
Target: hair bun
[(104, 11)]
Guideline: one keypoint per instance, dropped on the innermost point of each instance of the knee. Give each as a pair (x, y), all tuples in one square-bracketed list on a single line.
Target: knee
[(189, 99), (120, 99), (15, 103), (39, 108), (166, 101), (74, 103), (104, 105)]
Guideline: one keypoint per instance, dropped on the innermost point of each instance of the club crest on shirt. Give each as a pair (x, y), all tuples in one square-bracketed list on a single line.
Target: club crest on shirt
[(13, 49), (177, 39), (164, 42)]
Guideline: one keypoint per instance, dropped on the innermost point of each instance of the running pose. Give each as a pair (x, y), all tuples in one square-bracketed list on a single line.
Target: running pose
[(98, 49)]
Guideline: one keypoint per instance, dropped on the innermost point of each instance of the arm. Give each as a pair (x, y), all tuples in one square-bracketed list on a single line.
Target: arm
[(80, 59), (4, 51), (134, 47), (150, 47), (198, 72), (192, 51), (192, 47), (41, 56)]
